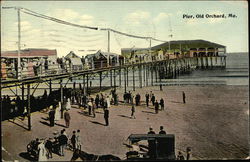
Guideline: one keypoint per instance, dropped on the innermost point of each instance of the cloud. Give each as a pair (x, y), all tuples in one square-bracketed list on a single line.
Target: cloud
[(137, 17), (161, 16), (86, 20), (25, 25), (64, 14)]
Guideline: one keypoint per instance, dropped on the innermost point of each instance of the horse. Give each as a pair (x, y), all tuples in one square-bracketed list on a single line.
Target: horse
[(91, 157)]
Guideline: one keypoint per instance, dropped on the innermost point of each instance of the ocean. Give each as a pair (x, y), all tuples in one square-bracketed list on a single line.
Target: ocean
[(235, 73)]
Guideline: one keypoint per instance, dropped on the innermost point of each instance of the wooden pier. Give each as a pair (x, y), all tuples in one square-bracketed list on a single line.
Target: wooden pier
[(145, 73)]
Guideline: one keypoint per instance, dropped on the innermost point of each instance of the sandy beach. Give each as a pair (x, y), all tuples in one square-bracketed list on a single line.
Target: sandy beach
[(214, 122)]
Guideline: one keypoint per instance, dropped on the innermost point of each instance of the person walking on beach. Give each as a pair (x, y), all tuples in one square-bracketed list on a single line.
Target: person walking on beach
[(67, 118), (147, 98), (73, 140), (153, 99), (156, 107), (63, 140), (78, 140), (188, 150), (90, 106), (49, 147), (151, 145), (106, 116), (52, 117), (93, 108), (184, 97), (161, 143), (162, 104), (162, 131), (97, 100), (133, 112), (42, 152)]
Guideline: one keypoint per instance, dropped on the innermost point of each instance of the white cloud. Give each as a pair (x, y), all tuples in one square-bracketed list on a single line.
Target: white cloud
[(64, 14), (25, 25), (161, 16), (86, 20), (137, 17)]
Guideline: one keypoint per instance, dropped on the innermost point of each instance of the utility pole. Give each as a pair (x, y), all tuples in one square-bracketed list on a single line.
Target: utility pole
[(108, 47), (150, 48), (19, 44)]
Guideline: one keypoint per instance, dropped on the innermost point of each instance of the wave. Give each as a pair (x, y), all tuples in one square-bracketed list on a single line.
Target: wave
[(230, 76)]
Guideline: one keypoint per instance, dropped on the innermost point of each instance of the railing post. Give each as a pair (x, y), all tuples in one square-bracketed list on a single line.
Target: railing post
[(28, 107)]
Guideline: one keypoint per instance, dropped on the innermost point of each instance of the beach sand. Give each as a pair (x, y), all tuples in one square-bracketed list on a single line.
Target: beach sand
[(214, 122)]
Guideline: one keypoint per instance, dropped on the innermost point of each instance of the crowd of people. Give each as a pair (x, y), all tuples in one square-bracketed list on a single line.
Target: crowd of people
[(56, 145), (71, 96)]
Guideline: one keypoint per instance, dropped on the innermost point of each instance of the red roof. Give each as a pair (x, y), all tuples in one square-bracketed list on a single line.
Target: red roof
[(29, 53)]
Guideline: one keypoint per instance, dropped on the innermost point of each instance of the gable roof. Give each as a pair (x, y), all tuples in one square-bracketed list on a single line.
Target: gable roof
[(71, 55), (30, 52), (199, 43)]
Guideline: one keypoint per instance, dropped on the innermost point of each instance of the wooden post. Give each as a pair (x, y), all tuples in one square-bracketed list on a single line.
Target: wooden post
[(100, 89), (87, 88), (124, 77), (133, 78), (152, 75), (114, 80), (61, 90), (140, 76), (84, 88), (127, 76), (120, 78), (23, 92), (50, 86), (146, 69), (111, 82), (28, 107)]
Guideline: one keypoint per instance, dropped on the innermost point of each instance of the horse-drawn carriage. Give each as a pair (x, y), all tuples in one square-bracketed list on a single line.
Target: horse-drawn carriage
[(160, 147)]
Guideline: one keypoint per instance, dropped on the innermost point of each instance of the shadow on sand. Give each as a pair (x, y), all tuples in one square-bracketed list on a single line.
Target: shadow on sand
[(45, 123), (60, 125), (124, 116), (176, 102), (12, 121), (95, 122), (148, 112), (85, 113), (27, 156)]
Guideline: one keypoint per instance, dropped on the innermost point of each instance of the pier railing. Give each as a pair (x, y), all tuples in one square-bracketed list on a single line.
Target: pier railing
[(169, 68)]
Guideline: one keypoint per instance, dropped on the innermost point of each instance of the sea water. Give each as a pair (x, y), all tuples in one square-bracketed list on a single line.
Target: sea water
[(235, 73)]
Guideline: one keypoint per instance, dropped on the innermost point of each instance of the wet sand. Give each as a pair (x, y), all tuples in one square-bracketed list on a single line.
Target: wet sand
[(214, 122)]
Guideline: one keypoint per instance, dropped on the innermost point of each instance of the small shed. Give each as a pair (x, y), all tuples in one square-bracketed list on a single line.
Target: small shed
[(74, 61)]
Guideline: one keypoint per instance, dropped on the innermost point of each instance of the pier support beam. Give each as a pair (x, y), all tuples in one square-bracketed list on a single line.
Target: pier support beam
[(120, 78), (50, 86), (133, 78), (23, 92), (111, 80), (114, 80), (124, 78), (28, 107), (61, 98), (100, 87)]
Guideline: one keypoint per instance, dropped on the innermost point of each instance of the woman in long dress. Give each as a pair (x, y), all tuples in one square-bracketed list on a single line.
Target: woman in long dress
[(42, 152), (108, 102), (68, 105), (57, 114)]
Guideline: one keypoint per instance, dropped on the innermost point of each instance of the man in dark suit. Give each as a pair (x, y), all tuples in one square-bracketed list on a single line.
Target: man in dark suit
[(106, 116), (151, 145), (52, 117), (67, 118)]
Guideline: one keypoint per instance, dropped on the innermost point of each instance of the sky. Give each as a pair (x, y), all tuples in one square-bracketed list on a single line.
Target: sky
[(157, 19)]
